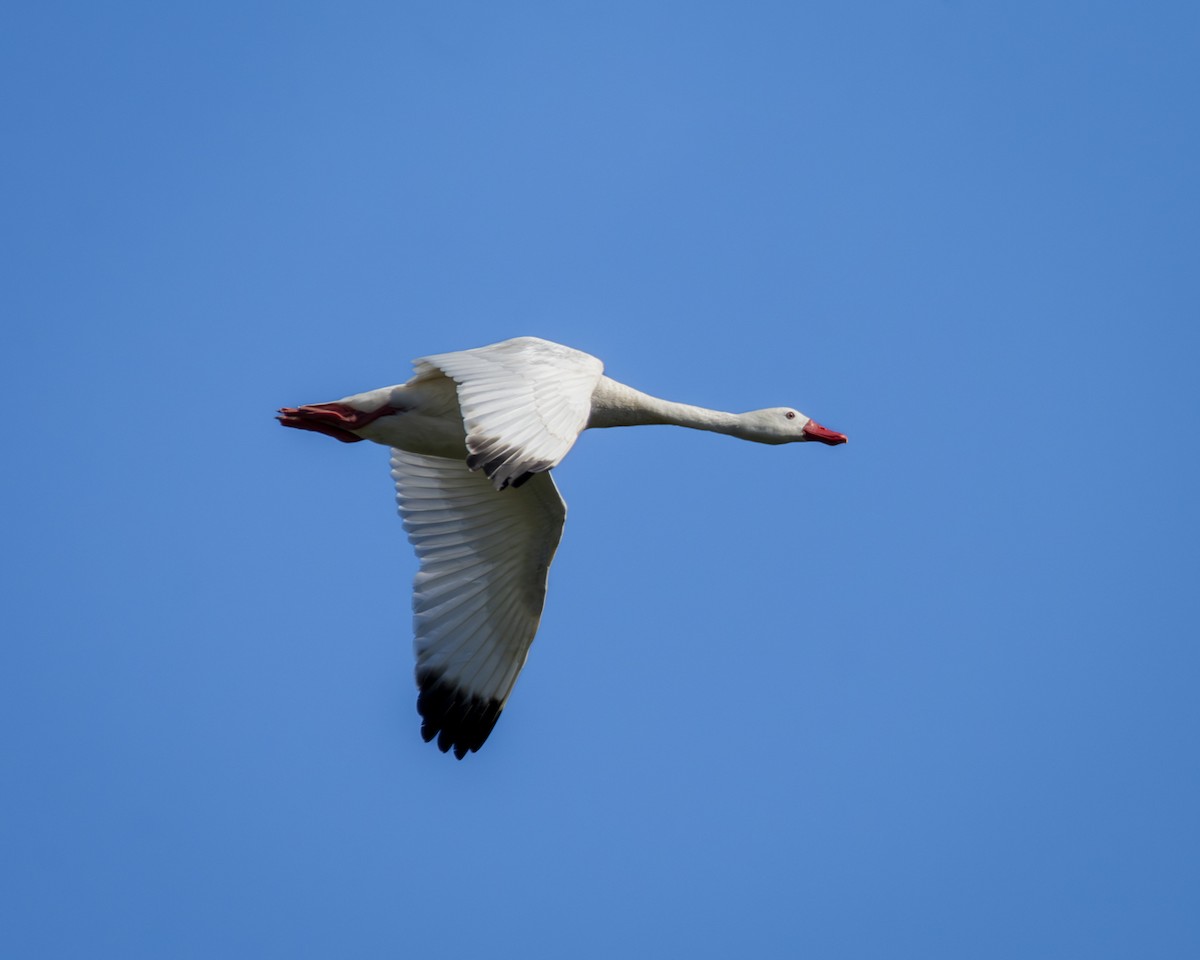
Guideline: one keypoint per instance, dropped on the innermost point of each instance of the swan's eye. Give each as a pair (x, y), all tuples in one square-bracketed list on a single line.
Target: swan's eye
[(791, 414)]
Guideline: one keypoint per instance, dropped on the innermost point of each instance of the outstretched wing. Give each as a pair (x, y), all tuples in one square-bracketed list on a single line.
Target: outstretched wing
[(478, 595), (524, 402)]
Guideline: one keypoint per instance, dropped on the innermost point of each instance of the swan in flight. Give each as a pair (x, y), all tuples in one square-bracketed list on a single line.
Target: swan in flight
[(474, 436)]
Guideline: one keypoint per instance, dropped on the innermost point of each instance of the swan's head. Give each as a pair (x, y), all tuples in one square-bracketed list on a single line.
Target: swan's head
[(785, 425)]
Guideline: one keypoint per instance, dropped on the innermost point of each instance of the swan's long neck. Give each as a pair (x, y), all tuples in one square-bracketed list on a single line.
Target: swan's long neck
[(616, 405)]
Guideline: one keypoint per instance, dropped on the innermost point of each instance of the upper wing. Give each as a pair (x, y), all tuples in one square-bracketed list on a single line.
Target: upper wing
[(478, 595), (524, 402)]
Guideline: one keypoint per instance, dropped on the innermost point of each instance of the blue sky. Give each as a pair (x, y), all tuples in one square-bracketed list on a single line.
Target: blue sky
[(929, 694)]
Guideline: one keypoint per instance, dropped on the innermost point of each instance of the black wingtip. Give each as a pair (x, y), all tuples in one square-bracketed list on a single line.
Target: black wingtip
[(493, 455), (459, 720)]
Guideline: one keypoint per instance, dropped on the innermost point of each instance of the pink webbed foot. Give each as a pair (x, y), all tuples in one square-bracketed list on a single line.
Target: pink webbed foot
[(335, 420)]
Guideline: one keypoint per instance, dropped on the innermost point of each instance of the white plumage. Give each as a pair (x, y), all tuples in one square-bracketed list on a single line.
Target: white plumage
[(474, 435), (524, 402)]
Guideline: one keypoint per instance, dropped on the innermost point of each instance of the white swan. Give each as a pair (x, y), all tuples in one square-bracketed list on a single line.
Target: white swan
[(485, 530)]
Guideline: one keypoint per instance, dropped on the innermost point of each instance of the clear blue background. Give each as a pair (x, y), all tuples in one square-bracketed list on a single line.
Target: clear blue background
[(931, 694)]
